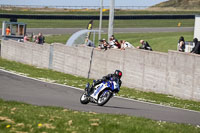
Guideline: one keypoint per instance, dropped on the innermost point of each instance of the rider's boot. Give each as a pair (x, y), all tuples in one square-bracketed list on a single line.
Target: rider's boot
[(89, 91), (87, 88)]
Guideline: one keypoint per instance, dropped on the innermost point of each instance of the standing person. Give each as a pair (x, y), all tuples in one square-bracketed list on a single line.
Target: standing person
[(26, 38), (181, 44), (145, 45), (8, 30), (196, 48), (40, 39)]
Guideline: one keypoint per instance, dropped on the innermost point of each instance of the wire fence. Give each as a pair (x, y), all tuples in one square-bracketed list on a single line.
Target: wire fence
[(174, 8), (73, 7)]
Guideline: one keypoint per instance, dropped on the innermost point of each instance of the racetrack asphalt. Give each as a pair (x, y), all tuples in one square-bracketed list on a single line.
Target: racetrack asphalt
[(19, 88), (58, 31), (55, 31)]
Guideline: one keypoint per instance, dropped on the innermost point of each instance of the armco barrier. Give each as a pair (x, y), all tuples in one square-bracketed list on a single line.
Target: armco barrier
[(174, 73)]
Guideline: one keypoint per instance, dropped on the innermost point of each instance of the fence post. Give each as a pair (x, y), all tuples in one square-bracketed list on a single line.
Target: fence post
[(91, 58), (51, 56)]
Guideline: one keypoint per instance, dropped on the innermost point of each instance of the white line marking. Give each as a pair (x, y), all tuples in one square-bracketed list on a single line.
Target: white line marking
[(11, 72)]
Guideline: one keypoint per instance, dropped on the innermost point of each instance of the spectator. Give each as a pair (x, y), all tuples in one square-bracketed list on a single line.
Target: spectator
[(114, 42), (104, 44), (34, 38), (113, 38), (181, 44), (40, 39), (125, 44), (145, 45), (89, 43), (8, 30), (26, 38), (117, 45), (196, 48)]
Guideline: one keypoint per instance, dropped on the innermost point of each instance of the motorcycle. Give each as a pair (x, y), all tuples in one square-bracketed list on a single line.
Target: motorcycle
[(101, 93)]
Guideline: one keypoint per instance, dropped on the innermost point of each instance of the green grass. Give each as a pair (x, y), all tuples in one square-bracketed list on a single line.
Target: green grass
[(58, 77), (33, 23), (161, 42), (21, 117), (57, 38)]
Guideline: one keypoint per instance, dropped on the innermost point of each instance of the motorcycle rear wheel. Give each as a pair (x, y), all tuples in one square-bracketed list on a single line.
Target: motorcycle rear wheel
[(84, 99), (104, 98)]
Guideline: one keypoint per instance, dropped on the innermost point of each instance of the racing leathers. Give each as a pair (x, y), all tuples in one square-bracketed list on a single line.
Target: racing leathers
[(109, 77)]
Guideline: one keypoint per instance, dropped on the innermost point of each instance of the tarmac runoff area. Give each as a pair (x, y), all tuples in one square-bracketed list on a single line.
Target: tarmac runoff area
[(32, 91)]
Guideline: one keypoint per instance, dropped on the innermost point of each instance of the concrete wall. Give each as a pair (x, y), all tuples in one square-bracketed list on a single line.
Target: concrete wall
[(72, 60), (28, 53), (141, 69), (174, 73), (183, 75), (105, 62)]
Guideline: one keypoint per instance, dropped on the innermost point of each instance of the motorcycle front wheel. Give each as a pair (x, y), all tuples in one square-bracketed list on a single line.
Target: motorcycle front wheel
[(84, 99), (104, 98)]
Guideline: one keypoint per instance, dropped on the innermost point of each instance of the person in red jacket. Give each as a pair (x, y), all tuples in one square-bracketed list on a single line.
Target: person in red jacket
[(8, 30)]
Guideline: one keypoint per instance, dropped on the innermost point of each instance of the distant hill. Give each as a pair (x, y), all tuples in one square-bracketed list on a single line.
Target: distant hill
[(180, 4)]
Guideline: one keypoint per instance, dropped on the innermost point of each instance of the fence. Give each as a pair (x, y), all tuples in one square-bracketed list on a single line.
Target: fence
[(174, 73), (139, 7), (73, 7), (96, 17)]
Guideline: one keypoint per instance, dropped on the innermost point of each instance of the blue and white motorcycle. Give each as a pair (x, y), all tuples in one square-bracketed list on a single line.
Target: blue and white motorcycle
[(101, 94)]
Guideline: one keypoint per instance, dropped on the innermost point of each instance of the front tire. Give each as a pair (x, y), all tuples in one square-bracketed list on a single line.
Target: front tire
[(104, 98), (84, 99)]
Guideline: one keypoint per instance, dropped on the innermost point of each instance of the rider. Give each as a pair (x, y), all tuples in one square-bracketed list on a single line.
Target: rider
[(114, 77)]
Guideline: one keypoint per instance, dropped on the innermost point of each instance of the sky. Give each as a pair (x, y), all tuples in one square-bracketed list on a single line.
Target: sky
[(80, 2)]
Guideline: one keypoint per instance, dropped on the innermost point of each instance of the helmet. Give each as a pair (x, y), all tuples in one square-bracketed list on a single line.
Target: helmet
[(118, 73)]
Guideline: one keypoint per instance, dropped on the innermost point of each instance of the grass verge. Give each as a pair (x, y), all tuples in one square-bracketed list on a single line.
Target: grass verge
[(58, 77), (51, 23), (161, 42), (24, 118)]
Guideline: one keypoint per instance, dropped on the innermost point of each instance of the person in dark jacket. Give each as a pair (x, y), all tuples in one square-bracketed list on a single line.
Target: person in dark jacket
[(145, 45), (113, 77), (181, 44), (196, 48), (40, 39)]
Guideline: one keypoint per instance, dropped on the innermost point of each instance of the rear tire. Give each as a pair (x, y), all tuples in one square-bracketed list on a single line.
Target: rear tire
[(84, 99), (104, 98)]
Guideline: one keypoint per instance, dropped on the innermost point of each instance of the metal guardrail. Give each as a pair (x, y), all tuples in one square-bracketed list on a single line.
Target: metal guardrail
[(95, 17)]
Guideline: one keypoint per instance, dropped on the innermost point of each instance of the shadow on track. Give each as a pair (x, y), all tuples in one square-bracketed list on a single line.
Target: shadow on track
[(114, 107)]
